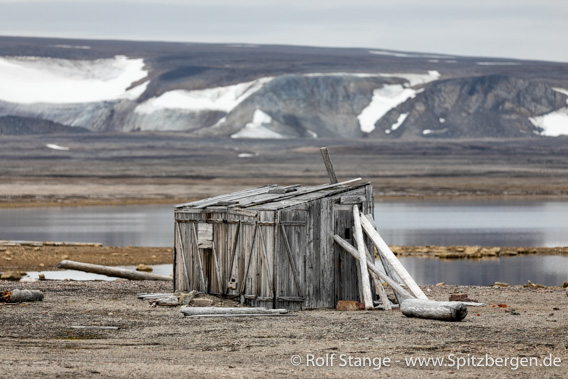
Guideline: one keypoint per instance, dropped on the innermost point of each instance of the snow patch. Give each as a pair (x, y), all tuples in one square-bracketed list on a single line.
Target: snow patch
[(442, 120), (563, 91), (553, 124), (498, 63), (384, 99), (56, 147), (407, 55), (247, 155), (391, 95), (257, 127), (216, 99), (399, 121), (80, 47), (426, 131), (312, 134), (29, 80)]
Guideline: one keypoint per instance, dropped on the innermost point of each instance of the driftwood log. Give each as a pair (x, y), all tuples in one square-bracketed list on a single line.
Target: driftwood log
[(210, 311), (431, 309), (20, 296), (111, 271)]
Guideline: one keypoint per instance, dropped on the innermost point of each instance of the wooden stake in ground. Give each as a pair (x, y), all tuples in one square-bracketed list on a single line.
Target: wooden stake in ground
[(391, 258), (328, 165), (365, 283)]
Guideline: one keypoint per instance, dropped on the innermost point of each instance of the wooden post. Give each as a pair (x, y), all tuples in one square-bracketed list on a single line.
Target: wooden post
[(328, 165), (391, 258), (437, 310), (351, 250), (367, 296), (111, 271)]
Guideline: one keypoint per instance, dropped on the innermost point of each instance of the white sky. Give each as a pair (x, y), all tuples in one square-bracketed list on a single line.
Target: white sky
[(492, 28)]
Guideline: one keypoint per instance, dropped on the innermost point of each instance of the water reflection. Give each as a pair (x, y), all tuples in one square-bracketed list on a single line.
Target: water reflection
[(546, 270), (409, 222), (473, 222)]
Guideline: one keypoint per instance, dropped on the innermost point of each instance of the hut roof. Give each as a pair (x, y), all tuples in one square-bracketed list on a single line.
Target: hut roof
[(272, 197)]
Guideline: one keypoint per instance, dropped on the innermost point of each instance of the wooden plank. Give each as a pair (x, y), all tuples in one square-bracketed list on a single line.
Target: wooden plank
[(379, 289), (367, 297), (228, 196), (328, 165), (204, 235), (268, 275), (386, 266), (243, 286), (200, 267), (234, 246), (391, 258), (182, 251), (216, 259), (301, 191), (352, 199), (351, 250), (291, 261)]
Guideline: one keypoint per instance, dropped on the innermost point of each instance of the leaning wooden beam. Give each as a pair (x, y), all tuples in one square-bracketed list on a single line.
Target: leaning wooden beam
[(328, 165), (379, 289), (391, 258), (194, 311), (351, 250), (111, 271), (437, 310), (365, 283), (383, 260)]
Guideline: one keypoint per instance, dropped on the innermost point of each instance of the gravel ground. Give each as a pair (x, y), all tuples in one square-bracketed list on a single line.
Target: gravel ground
[(37, 339)]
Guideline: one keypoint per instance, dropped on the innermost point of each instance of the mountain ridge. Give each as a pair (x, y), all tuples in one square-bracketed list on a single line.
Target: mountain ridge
[(270, 91)]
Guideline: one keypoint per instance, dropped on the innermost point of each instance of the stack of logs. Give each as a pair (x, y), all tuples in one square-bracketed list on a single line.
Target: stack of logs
[(413, 302)]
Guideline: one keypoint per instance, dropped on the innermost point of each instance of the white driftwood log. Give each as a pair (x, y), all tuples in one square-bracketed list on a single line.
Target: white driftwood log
[(365, 283), (391, 258), (437, 310), (195, 311), (111, 271), (351, 250)]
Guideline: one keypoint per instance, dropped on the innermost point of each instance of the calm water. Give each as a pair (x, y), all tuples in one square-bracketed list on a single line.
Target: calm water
[(447, 222), (486, 223)]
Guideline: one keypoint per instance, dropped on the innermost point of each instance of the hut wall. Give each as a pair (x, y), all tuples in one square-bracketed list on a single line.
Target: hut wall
[(281, 257)]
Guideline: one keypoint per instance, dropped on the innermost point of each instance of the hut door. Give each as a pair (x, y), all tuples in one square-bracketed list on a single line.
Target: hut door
[(291, 265), (346, 286)]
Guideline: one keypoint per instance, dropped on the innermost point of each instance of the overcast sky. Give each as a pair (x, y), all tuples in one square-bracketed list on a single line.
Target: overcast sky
[(492, 28)]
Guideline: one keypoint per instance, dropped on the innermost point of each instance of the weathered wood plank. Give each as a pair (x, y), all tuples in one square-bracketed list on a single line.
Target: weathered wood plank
[(367, 297), (226, 197), (395, 286), (391, 258), (328, 165)]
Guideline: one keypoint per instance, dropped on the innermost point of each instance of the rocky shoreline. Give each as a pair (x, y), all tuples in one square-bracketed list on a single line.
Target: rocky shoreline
[(33, 256)]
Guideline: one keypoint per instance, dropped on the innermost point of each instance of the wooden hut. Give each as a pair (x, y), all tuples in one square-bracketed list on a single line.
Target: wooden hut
[(271, 246)]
